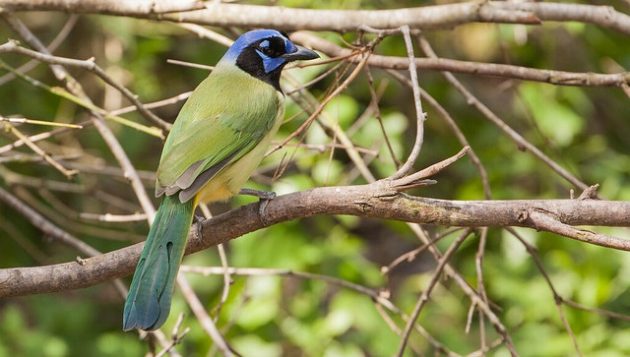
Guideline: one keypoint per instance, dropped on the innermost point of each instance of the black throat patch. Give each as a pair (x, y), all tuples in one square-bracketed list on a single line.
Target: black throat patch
[(251, 59), (250, 62)]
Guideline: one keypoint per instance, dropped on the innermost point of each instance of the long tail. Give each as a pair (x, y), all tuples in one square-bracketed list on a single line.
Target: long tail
[(149, 300)]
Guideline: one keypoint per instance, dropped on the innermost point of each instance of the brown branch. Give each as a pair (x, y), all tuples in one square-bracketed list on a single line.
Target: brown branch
[(202, 316), (420, 115), (377, 200), (426, 293), (89, 65), (428, 17), (517, 138), (98, 120), (475, 68)]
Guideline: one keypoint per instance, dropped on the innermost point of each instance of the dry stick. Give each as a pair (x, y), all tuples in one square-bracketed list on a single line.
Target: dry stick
[(376, 296), (113, 218), (427, 17), (90, 65), (374, 104), (420, 115), (424, 298), (492, 117), (176, 337), (444, 114), (474, 68), (98, 121), (39, 151), (125, 110), (203, 32), (481, 287), (542, 220), (76, 88), (227, 280), (558, 300), (411, 255), (319, 109), (206, 322), (58, 40), (410, 180), (485, 182), (50, 229), (22, 120)]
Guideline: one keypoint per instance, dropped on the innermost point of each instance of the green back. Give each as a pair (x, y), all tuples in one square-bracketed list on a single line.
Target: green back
[(219, 123)]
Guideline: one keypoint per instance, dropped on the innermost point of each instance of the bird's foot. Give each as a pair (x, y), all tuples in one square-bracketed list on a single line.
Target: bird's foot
[(264, 198), (198, 218)]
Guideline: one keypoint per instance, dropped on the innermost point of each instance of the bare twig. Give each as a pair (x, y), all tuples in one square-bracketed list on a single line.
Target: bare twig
[(428, 17), (39, 151), (420, 115), (424, 297), (467, 67), (203, 318), (91, 66), (511, 133)]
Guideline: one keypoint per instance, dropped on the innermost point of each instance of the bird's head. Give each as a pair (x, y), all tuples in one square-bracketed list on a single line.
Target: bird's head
[(263, 54)]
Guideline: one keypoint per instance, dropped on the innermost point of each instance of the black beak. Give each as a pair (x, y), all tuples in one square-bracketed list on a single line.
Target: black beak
[(301, 54)]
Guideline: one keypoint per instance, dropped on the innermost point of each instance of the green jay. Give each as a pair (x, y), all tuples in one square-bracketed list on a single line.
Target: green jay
[(217, 141)]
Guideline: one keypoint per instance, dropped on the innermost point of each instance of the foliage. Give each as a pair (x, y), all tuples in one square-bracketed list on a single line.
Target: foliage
[(583, 128)]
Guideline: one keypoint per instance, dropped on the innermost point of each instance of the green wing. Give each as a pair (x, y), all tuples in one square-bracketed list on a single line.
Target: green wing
[(211, 132)]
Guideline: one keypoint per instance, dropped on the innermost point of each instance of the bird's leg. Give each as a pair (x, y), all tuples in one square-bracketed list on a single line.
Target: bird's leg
[(198, 216), (264, 198)]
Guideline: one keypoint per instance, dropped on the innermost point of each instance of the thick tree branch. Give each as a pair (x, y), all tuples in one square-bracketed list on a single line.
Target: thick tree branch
[(428, 17), (377, 200)]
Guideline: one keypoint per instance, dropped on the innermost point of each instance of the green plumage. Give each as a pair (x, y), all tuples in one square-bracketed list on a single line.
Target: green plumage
[(218, 139), (149, 299)]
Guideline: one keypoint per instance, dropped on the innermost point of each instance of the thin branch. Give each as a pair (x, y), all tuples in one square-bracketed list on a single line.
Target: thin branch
[(511, 133), (467, 67), (420, 115), (200, 312), (426, 293), (322, 105), (39, 151), (45, 225), (58, 40), (427, 17), (90, 65), (99, 122)]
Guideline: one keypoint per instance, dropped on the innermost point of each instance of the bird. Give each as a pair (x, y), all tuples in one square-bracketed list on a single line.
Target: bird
[(217, 140)]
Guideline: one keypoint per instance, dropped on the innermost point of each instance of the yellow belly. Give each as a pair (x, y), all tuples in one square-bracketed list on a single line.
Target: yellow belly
[(229, 181)]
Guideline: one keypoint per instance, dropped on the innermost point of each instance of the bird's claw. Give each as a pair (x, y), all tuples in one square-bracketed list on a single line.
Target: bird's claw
[(264, 198), (263, 195)]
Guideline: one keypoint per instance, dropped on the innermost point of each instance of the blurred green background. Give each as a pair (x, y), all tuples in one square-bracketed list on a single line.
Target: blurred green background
[(584, 129)]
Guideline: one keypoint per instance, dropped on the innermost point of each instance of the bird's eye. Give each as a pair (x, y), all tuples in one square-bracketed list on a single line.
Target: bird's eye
[(271, 47)]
